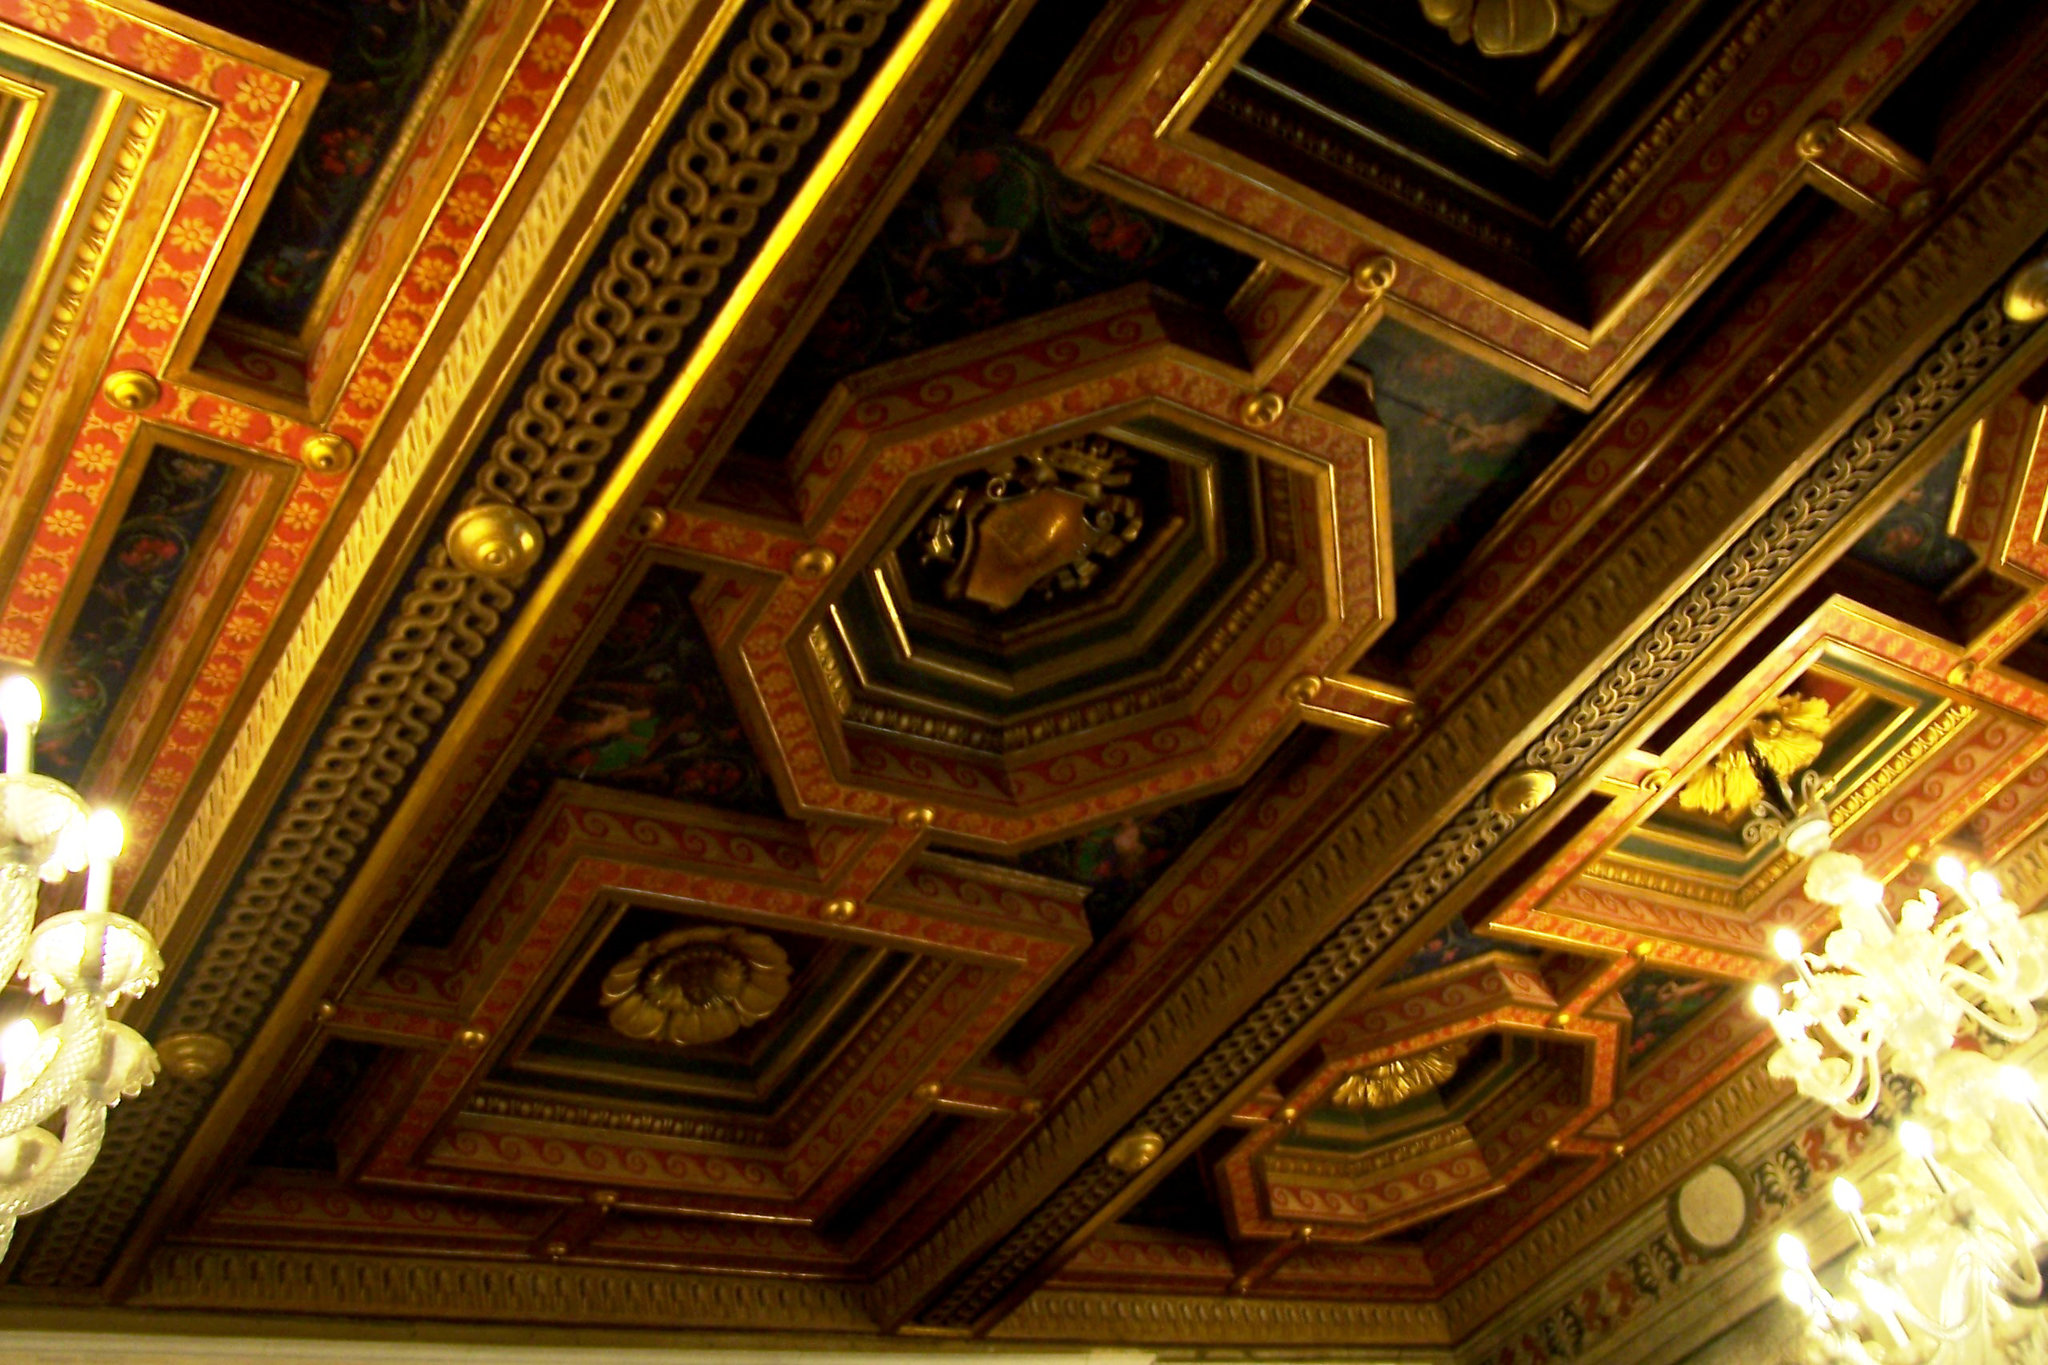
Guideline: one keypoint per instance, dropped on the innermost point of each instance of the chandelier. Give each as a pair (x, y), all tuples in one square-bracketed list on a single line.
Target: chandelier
[(1946, 1268), (76, 1063)]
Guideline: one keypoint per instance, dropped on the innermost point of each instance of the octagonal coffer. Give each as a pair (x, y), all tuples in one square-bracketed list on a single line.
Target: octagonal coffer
[(1068, 577)]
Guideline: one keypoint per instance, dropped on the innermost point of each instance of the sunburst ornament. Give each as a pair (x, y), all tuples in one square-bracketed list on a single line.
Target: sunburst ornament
[(1390, 1083), (1784, 736), (696, 985)]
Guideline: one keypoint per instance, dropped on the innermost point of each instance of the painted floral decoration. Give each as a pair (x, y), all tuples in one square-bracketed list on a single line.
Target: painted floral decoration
[(696, 985)]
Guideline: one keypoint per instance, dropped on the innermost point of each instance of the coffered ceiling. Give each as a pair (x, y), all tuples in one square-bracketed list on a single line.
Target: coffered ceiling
[(957, 668)]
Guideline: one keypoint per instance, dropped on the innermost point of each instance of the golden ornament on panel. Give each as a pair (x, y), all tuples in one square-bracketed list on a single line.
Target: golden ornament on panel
[(1512, 28), (326, 453), (1136, 1150), (696, 985), (131, 390), (1400, 1080), (1522, 791), (1785, 735), (494, 540)]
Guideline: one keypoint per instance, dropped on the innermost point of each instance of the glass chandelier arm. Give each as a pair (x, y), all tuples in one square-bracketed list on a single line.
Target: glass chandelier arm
[(85, 1124), (2020, 1020), (17, 917), (80, 1038)]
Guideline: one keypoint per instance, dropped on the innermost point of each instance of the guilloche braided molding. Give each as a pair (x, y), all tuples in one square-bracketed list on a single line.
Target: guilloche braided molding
[(683, 237), (654, 30)]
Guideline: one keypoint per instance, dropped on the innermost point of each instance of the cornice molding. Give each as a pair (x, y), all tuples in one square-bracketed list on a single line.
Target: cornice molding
[(305, 1282)]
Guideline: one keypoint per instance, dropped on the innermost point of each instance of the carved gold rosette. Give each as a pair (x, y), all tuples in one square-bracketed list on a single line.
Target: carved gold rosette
[(1512, 28), (1391, 1083), (696, 985)]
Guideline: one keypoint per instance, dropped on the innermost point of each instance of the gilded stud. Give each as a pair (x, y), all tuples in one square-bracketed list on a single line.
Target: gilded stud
[(1289, 1114), (1618, 1150), (1520, 792), (1563, 1018), (472, 1037), (1816, 137), (557, 1250), (604, 1199), (1645, 948), (325, 453), (2026, 293), (915, 817), (131, 390), (1136, 1150), (813, 564), (1241, 1285), (648, 523), (1262, 409), (194, 1056), (840, 911), (324, 1011), (1031, 1108), (494, 540), (1373, 274), (1962, 672), (1919, 204), (927, 1092), (1554, 1146), (1303, 689)]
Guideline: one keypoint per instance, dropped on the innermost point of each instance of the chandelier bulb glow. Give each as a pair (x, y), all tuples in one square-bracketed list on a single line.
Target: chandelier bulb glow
[(1847, 1197), (104, 835), (21, 702), (2016, 1084), (1984, 886), (1918, 1142), (1787, 944), (1765, 1000), (1950, 869), (1792, 1252), (21, 710)]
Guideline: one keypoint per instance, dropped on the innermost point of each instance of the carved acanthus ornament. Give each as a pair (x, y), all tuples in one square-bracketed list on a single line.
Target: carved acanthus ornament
[(1042, 522), (1512, 28), (696, 985), (1758, 765), (1396, 1082)]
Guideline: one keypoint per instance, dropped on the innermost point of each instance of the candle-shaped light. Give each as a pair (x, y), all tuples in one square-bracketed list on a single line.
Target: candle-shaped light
[(2017, 1084), (1787, 944), (1764, 999), (21, 710), (1919, 1144), (103, 839), (1850, 1201)]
